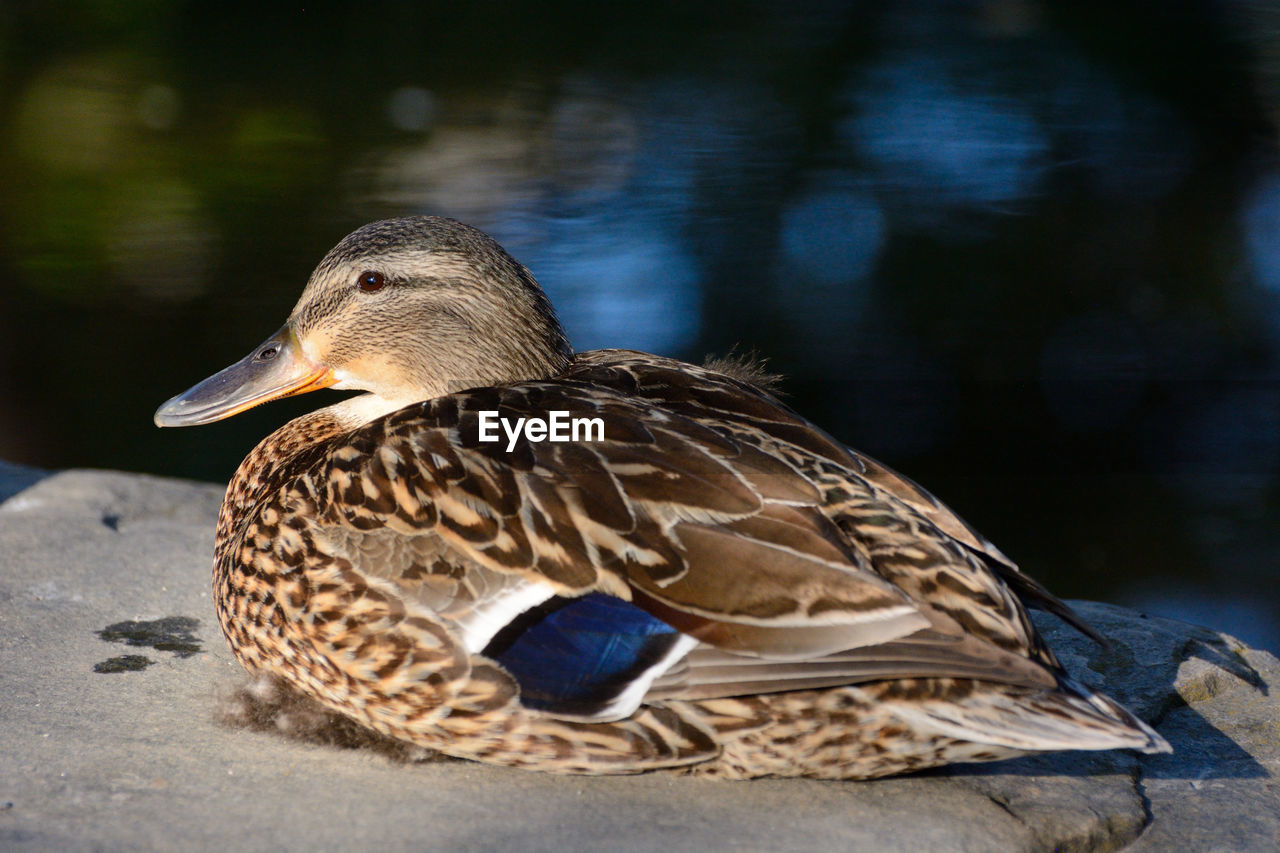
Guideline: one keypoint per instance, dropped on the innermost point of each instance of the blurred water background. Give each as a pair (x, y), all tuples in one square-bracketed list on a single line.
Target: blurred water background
[(1027, 253)]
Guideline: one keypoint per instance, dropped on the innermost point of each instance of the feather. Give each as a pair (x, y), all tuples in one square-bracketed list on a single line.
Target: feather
[(591, 657)]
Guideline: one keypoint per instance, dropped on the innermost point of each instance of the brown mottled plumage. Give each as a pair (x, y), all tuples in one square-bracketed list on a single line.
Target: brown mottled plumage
[(713, 583)]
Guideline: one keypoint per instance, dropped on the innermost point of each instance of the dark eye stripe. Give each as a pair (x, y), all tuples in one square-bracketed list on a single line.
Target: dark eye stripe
[(371, 281)]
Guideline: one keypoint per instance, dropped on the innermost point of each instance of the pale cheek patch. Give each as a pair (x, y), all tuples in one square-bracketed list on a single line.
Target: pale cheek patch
[(317, 346)]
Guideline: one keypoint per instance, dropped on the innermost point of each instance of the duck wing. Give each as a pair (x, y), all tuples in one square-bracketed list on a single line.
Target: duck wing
[(660, 505), (737, 554), (698, 392)]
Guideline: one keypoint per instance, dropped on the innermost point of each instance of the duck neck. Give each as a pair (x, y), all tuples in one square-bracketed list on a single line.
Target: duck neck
[(355, 412)]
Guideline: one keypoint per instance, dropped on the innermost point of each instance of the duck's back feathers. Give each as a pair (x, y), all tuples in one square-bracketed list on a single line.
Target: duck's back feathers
[(708, 545), (660, 506)]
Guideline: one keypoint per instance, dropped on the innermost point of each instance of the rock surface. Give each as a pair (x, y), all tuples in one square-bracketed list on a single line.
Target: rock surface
[(109, 736)]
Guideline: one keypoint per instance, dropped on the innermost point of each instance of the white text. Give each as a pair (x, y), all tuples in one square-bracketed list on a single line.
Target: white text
[(557, 426)]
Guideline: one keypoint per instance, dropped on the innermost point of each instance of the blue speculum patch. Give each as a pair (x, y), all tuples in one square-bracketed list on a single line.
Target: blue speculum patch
[(577, 655)]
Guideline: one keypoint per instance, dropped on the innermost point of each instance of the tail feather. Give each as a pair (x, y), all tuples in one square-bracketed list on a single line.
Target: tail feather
[(1070, 718)]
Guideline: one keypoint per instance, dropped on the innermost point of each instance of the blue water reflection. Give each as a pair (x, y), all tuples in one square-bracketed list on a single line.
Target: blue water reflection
[(652, 301), (945, 143), (1260, 216), (832, 236)]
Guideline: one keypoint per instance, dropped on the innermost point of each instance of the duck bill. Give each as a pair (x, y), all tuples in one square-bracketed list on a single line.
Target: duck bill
[(276, 368)]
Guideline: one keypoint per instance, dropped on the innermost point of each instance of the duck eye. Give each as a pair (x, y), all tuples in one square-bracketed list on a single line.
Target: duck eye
[(370, 281)]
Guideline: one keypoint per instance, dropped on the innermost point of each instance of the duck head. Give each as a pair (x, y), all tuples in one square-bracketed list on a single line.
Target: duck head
[(405, 309)]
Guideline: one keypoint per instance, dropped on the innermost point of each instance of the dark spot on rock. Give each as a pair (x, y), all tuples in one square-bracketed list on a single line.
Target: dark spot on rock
[(170, 634), (112, 521), (124, 663)]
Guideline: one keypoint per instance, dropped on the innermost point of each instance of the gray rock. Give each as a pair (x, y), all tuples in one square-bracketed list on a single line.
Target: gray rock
[(134, 756)]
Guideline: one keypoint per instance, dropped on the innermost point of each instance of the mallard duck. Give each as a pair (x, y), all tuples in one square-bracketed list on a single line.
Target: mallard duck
[(699, 578)]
